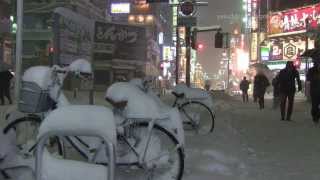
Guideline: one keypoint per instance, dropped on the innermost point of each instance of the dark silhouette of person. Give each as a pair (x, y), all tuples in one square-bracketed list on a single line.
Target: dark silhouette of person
[(287, 78), (261, 83), (276, 91), (313, 77), (5, 78), (244, 86)]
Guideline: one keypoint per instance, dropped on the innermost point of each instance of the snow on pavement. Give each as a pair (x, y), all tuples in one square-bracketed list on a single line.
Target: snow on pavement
[(279, 149), (252, 144)]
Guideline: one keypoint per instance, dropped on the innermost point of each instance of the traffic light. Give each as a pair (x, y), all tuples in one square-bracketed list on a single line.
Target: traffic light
[(218, 40), (297, 63), (161, 66), (187, 8), (200, 46)]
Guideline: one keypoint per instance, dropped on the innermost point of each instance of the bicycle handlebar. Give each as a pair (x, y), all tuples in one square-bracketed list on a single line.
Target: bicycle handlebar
[(118, 105), (178, 95)]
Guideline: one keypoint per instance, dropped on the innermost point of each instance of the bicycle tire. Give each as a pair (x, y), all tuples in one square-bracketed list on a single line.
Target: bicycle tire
[(200, 126), (144, 125), (138, 128), (36, 119), (14, 123)]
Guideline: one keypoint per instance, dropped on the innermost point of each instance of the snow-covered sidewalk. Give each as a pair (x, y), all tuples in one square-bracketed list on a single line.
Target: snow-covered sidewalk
[(279, 149), (247, 143)]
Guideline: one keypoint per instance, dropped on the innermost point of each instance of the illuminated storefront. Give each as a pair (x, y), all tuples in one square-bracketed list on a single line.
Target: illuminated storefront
[(288, 37)]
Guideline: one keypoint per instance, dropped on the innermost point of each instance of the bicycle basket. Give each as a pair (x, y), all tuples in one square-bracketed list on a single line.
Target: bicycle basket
[(33, 99)]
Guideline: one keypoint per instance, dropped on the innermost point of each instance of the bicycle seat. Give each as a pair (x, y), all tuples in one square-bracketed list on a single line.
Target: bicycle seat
[(178, 95), (118, 105)]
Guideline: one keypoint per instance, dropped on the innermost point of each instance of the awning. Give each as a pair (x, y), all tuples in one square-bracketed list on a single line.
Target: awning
[(287, 34)]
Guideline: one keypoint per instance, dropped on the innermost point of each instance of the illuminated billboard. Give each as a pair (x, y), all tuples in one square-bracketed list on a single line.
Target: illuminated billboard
[(294, 19), (120, 8), (265, 53), (254, 47)]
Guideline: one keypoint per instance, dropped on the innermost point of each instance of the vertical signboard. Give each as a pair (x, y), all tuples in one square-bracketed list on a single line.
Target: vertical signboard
[(73, 36), (254, 46)]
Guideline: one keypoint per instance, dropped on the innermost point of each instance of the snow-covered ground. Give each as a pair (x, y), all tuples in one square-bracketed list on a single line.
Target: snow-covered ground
[(247, 143)]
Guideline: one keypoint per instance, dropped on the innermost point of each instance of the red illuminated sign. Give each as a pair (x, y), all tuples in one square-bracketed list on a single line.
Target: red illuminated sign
[(294, 19)]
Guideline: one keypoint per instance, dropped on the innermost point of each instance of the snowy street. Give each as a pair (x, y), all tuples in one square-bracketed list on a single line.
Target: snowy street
[(250, 144), (253, 144)]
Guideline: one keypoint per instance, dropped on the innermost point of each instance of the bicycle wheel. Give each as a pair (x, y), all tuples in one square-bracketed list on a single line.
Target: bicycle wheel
[(26, 129), (163, 158), (197, 117)]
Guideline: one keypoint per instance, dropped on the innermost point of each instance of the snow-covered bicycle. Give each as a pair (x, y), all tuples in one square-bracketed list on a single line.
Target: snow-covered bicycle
[(143, 143), (195, 106), (40, 97)]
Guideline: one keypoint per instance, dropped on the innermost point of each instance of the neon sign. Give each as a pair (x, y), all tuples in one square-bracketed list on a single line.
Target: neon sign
[(294, 20)]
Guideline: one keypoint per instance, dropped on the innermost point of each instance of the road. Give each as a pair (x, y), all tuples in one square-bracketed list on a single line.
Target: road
[(253, 144)]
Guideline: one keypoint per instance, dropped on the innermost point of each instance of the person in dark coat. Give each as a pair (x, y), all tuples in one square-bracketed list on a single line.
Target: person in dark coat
[(287, 78), (276, 91), (244, 86), (261, 83), (313, 77), (5, 78)]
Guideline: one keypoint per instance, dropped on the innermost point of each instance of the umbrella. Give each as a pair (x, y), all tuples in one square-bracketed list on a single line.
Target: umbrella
[(263, 68), (259, 66)]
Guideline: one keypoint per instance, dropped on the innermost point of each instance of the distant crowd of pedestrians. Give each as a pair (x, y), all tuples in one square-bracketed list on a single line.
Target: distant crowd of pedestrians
[(284, 89)]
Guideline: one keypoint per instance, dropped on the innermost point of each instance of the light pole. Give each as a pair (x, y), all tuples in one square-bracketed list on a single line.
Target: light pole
[(188, 10), (19, 46)]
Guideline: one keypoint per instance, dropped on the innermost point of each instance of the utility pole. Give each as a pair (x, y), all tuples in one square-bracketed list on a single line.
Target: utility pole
[(188, 10), (19, 46), (188, 55), (177, 54), (228, 67)]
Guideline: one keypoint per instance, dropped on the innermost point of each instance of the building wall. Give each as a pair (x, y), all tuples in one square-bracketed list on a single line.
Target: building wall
[(162, 22), (38, 25)]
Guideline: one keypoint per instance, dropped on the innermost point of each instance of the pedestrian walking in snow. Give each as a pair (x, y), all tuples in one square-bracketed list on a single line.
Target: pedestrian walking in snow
[(313, 77), (276, 91), (287, 78), (244, 86), (261, 83), (5, 78)]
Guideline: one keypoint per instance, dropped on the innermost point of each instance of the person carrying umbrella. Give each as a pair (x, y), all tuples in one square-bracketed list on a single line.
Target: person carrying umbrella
[(261, 83)]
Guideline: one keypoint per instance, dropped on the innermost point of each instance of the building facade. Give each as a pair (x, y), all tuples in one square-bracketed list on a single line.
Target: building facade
[(38, 25), (5, 37), (156, 19), (290, 33)]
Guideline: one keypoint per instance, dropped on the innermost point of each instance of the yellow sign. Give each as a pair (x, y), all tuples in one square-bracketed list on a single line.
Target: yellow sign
[(254, 47)]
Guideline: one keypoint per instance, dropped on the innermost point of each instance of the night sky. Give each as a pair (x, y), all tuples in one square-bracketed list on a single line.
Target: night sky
[(218, 12)]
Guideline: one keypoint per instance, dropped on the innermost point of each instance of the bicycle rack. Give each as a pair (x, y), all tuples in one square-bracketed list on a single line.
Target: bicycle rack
[(43, 139)]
